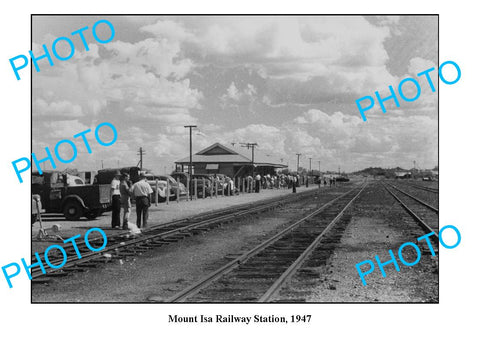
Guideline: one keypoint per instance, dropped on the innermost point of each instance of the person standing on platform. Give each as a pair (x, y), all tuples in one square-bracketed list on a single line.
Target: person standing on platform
[(142, 190), (258, 178), (116, 204), (125, 199), (294, 184)]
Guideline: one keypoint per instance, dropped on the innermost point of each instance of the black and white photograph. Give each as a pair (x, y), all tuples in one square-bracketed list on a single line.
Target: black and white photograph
[(238, 174), (226, 159)]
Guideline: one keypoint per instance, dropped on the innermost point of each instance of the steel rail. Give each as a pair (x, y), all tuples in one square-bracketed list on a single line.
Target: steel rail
[(415, 198), (201, 216), (89, 256), (202, 283), (278, 284), (413, 214), (422, 187), (287, 197)]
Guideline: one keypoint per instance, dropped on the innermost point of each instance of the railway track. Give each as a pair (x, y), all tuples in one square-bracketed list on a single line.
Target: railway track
[(122, 246), (258, 274), (432, 190), (424, 213)]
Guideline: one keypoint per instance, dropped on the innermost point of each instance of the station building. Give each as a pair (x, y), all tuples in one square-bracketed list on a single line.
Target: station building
[(230, 161)]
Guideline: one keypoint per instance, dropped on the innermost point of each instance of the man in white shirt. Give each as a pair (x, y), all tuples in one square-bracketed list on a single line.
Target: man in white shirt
[(142, 190), (116, 203), (257, 183)]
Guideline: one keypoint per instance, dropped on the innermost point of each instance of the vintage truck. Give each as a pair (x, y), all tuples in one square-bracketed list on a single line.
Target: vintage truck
[(57, 196)]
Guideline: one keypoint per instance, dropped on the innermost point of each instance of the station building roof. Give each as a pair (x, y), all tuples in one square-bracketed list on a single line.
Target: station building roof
[(219, 153)]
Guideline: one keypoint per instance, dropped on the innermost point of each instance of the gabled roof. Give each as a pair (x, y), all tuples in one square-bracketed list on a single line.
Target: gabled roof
[(237, 158), (219, 153), (216, 148)]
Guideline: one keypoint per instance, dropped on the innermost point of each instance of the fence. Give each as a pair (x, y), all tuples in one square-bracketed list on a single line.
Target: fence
[(222, 188)]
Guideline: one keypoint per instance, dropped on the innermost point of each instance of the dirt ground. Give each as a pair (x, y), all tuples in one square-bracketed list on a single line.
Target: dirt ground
[(376, 224), (373, 225), (165, 270)]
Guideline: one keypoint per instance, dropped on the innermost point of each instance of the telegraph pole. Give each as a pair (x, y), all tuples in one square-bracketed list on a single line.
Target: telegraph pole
[(141, 152), (319, 167), (248, 146), (298, 161), (190, 165), (310, 165)]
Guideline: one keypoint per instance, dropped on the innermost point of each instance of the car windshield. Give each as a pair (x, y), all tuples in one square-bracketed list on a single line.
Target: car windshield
[(170, 179)]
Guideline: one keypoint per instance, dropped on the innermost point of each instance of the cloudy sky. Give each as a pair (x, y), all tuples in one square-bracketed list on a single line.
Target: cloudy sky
[(287, 83)]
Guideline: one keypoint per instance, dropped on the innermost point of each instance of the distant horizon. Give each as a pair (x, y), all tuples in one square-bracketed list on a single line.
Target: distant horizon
[(291, 170)]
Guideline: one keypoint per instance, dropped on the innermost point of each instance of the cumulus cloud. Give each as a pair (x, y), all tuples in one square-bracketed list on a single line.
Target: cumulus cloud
[(427, 99), (234, 96), (123, 82), (60, 108), (340, 138), (293, 81), (319, 56), (232, 93)]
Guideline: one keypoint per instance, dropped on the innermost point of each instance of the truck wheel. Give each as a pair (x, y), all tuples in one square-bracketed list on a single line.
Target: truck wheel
[(73, 210)]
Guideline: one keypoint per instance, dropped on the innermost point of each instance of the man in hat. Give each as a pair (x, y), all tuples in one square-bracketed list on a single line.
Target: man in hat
[(142, 190), (125, 198), (116, 202)]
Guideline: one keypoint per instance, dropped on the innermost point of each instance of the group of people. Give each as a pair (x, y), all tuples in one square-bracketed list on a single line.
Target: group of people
[(122, 192), (271, 181), (286, 181)]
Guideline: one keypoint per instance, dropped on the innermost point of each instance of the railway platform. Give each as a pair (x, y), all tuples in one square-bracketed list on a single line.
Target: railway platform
[(163, 213)]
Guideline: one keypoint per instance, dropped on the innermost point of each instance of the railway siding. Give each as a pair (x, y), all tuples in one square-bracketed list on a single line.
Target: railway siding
[(376, 224), (171, 266)]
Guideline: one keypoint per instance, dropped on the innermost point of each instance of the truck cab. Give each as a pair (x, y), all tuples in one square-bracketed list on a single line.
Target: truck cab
[(57, 196)]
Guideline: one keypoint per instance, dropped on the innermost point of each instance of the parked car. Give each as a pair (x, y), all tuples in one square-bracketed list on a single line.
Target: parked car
[(162, 188), (73, 201), (202, 178), (182, 178), (174, 184)]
